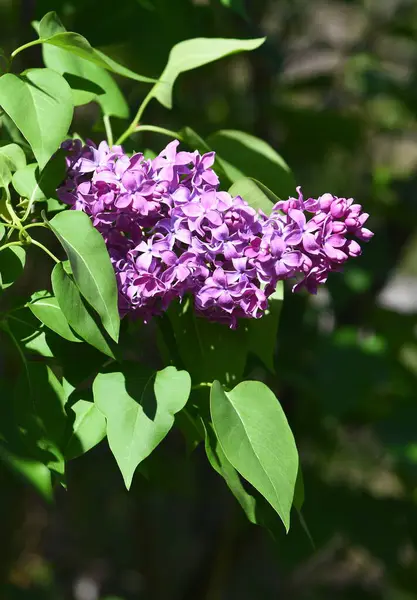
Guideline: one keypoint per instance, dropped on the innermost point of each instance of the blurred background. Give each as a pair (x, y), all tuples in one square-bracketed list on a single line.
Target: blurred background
[(334, 91)]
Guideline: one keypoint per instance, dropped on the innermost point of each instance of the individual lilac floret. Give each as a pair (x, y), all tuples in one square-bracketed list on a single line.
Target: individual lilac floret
[(170, 232)]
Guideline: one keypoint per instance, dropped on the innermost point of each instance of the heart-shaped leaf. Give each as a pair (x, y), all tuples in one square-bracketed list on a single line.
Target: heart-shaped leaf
[(139, 407)]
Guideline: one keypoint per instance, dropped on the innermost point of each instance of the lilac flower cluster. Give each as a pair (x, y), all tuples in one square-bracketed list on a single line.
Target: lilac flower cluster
[(170, 232)]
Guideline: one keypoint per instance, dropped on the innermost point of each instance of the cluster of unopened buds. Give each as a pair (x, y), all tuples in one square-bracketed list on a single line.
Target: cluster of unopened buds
[(171, 232)]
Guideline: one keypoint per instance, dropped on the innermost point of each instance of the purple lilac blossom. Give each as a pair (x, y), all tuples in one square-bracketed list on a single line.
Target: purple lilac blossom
[(170, 232)]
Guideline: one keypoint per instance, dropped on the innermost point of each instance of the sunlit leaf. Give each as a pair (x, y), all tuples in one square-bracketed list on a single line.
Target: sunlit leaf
[(255, 437), (40, 104), (75, 311), (83, 76), (90, 264), (48, 311), (51, 31), (139, 407), (12, 263), (32, 471), (194, 53), (88, 429)]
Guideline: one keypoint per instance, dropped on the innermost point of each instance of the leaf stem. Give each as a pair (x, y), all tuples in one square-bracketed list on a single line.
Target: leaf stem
[(48, 252), (28, 45), (10, 244), (161, 130), (132, 127), (201, 385), (109, 131)]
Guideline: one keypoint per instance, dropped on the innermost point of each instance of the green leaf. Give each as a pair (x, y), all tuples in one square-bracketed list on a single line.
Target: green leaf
[(51, 31), (40, 104), (255, 436), (39, 408), (194, 53), (255, 194), (25, 182), (90, 264), (12, 263), (33, 471), (223, 467), (5, 174), (208, 350), (30, 183), (79, 74), (75, 311), (88, 429), (14, 156), (139, 407), (48, 311), (244, 155), (2, 231), (261, 334)]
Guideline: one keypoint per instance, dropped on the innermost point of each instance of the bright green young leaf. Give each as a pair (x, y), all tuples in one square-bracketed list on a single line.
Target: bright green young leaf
[(51, 31), (255, 436), (38, 344), (255, 194), (223, 467), (91, 266), (12, 263), (245, 155), (83, 76), (5, 174), (261, 334), (194, 53), (25, 182), (40, 104), (2, 231), (32, 471), (30, 183), (208, 350), (48, 311), (139, 407), (88, 429), (14, 156), (75, 311)]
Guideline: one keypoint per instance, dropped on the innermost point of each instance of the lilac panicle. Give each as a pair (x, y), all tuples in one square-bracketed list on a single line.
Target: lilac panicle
[(170, 231)]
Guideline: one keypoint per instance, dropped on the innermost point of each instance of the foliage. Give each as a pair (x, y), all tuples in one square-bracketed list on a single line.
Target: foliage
[(138, 402)]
